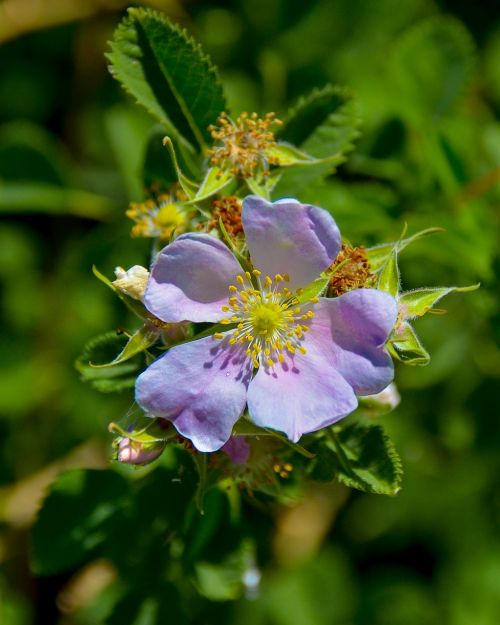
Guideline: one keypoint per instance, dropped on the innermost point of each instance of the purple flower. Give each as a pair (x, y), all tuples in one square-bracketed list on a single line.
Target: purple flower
[(297, 365)]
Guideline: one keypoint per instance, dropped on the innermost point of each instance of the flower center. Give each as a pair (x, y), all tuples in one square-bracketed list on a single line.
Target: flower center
[(160, 217), (270, 319), (243, 146)]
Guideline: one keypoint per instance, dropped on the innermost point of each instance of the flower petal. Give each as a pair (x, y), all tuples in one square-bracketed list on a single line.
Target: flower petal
[(238, 449), (200, 387), (355, 327), (190, 278), (287, 237), (302, 394)]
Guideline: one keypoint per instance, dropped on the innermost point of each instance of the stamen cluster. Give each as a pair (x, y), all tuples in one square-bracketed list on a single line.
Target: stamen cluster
[(242, 146), (158, 218), (228, 210), (271, 321), (351, 270)]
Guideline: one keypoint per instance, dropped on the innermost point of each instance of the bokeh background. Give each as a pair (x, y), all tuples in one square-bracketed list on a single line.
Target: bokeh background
[(427, 77)]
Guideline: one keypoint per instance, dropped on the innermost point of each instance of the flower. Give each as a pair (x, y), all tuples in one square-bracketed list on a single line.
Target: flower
[(134, 452), (298, 365), (160, 218)]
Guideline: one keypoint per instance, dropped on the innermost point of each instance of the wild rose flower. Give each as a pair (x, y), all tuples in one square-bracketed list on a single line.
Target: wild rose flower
[(297, 365)]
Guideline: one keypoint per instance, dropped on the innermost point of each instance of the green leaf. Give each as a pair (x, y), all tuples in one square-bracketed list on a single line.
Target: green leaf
[(378, 254), (388, 279), (361, 456), (406, 347), (289, 155), (431, 67), (215, 180), (168, 74), (75, 519), (145, 430), (103, 348), (417, 303), (143, 338), (324, 125)]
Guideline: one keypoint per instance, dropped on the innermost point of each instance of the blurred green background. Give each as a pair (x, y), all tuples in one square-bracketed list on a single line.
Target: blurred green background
[(427, 78)]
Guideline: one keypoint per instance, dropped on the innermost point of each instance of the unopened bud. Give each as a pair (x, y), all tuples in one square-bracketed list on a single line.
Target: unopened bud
[(134, 452), (132, 282)]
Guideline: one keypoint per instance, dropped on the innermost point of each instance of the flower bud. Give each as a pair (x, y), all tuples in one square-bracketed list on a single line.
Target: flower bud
[(134, 452), (132, 282)]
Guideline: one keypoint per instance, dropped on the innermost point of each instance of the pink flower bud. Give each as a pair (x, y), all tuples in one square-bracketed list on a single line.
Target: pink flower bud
[(133, 452)]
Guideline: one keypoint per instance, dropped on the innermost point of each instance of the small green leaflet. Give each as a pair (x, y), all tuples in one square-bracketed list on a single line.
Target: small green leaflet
[(378, 254), (215, 180), (417, 303), (140, 340), (388, 279)]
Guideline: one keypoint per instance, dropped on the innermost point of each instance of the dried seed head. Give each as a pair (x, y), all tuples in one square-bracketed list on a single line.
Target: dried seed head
[(228, 210), (350, 270)]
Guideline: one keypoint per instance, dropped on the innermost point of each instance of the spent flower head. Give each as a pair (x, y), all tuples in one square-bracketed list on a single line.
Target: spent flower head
[(243, 146)]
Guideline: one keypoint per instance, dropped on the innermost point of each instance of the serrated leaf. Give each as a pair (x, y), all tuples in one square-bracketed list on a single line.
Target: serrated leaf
[(168, 74), (378, 254), (103, 348), (74, 518), (143, 338), (432, 65), (407, 348), (388, 279), (324, 125), (417, 303), (361, 456)]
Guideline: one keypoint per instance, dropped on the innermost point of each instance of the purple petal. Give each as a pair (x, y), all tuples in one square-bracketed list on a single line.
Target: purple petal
[(355, 326), (190, 278), (287, 237), (200, 387), (237, 449), (301, 395)]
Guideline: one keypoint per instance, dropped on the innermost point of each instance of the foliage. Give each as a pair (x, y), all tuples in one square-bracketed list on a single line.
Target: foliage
[(420, 110)]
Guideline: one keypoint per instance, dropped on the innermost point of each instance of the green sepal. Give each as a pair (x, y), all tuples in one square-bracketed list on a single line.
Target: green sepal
[(361, 456), (113, 379), (168, 74), (189, 187), (417, 303), (388, 279), (132, 304), (244, 427), (289, 155), (146, 431), (377, 255), (215, 180), (259, 187), (405, 346), (314, 289), (138, 342)]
